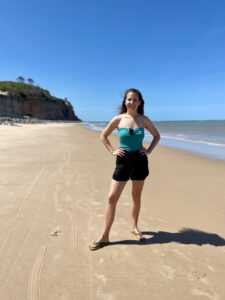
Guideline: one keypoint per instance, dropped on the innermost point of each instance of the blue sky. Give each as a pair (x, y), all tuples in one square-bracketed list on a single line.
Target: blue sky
[(92, 51)]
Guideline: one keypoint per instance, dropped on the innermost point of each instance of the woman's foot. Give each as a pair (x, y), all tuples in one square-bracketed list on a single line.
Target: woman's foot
[(98, 244), (138, 234)]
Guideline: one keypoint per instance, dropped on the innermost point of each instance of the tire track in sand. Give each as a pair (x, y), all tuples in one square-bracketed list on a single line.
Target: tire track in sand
[(11, 230), (88, 256), (62, 182), (35, 276), (72, 231)]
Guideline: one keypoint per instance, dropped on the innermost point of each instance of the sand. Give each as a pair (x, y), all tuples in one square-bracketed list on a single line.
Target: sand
[(54, 180)]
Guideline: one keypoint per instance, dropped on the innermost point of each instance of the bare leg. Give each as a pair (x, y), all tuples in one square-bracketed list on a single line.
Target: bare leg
[(137, 187), (115, 191)]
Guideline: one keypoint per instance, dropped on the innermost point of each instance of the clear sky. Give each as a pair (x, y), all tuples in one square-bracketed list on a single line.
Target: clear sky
[(92, 51)]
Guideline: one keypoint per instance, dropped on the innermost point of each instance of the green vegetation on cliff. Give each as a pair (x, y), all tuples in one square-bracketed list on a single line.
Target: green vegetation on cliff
[(23, 91)]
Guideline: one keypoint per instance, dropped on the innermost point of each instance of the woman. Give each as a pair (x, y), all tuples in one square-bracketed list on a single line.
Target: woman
[(131, 160)]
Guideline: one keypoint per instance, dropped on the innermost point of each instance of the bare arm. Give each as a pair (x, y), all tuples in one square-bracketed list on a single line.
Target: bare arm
[(113, 124), (156, 136)]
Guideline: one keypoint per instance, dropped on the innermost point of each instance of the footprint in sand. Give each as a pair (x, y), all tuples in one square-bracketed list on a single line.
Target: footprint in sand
[(199, 276), (56, 232), (167, 272), (207, 294)]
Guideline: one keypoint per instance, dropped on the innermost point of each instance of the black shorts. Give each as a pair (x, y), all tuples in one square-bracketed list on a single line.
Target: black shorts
[(133, 165)]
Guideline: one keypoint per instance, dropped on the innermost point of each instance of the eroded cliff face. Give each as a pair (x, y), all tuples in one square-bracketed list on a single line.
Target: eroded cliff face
[(43, 109)]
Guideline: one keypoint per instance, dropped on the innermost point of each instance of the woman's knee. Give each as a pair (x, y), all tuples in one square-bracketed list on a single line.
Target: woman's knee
[(112, 199), (136, 197)]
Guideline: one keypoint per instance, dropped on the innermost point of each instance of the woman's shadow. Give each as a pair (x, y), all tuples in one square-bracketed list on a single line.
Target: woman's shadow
[(184, 236)]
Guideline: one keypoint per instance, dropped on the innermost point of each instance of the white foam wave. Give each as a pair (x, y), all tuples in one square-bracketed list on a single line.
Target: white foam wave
[(185, 139), (177, 137), (94, 127)]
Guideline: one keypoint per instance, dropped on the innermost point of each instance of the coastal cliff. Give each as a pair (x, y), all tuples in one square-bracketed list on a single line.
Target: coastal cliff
[(18, 100)]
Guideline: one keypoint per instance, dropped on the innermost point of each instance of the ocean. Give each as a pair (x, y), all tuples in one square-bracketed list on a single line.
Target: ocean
[(206, 138)]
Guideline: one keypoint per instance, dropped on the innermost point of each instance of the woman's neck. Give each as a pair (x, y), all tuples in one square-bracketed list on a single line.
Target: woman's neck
[(132, 113)]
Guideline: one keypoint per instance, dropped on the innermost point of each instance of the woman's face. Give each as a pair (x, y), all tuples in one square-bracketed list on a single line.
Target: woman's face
[(132, 101)]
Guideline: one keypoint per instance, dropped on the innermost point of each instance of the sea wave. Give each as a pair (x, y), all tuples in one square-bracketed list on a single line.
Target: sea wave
[(198, 140), (96, 127), (175, 137), (188, 139)]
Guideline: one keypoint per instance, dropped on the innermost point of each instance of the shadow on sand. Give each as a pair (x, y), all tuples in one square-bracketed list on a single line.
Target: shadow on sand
[(184, 236)]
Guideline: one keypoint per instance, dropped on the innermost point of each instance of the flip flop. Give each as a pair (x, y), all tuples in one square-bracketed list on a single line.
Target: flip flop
[(98, 245), (139, 236)]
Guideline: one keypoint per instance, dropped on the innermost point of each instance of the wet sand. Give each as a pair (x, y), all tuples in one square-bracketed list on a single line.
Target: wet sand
[(54, 179)]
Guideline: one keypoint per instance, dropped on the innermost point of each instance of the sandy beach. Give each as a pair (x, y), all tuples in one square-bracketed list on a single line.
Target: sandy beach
[(54, 180)]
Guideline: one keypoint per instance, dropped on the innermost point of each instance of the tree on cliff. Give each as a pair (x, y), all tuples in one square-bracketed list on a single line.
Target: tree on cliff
[(20, 79), (30, 81)]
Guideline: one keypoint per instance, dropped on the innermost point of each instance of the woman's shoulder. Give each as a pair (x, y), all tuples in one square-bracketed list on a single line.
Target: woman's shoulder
[(117, 117), (146, 117), (142, 117), (116, 120), (146, 120)]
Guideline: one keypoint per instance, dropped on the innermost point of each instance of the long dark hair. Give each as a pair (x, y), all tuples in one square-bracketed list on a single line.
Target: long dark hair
[(140, 109)]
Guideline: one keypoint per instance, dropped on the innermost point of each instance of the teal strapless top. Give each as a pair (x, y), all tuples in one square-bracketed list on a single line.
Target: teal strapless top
[(131, 139)]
